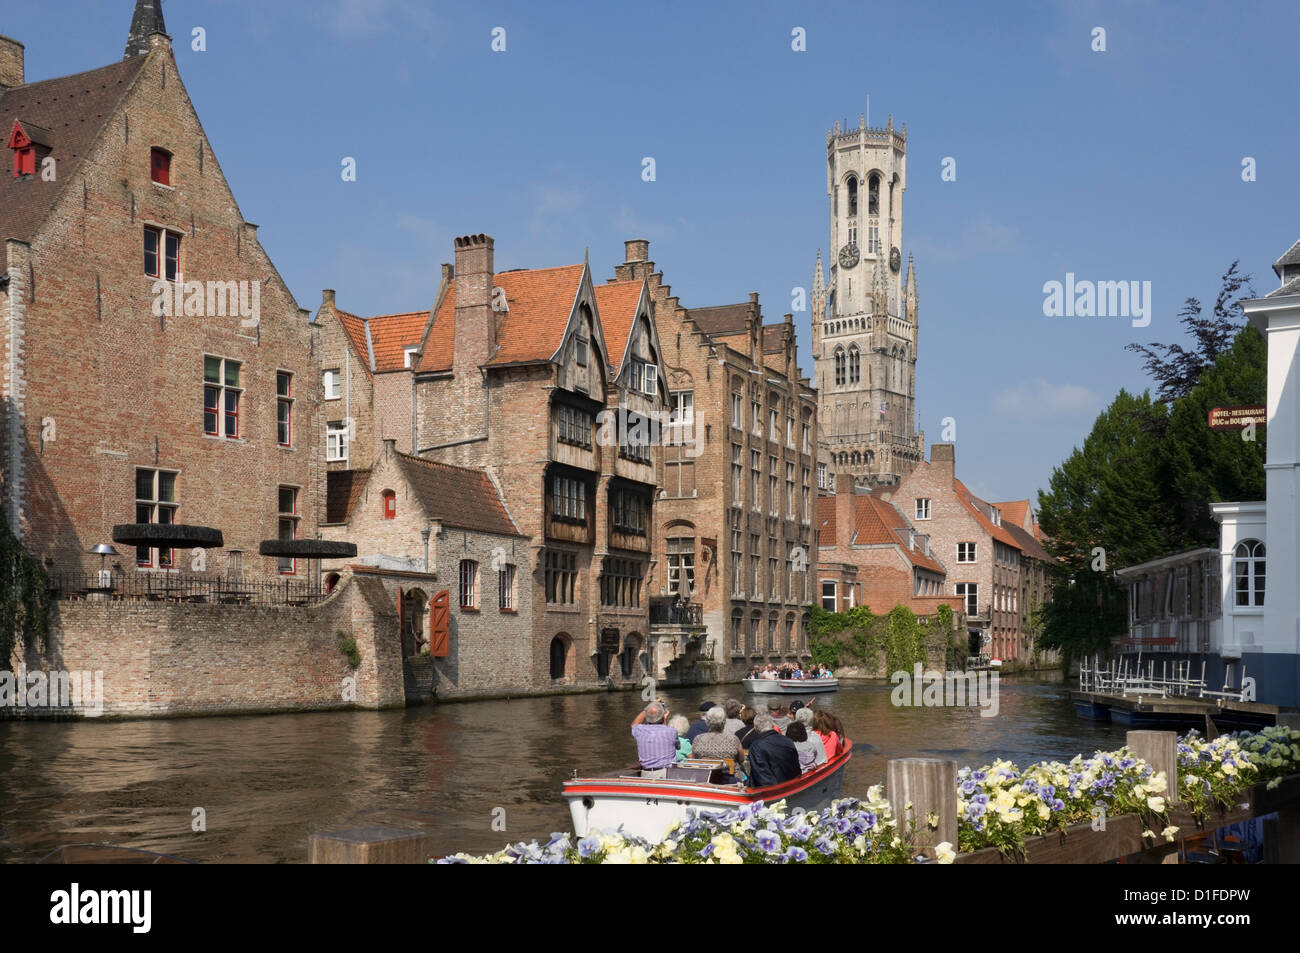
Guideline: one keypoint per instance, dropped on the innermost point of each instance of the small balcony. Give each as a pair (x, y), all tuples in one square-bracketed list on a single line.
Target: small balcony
[(669, 611)]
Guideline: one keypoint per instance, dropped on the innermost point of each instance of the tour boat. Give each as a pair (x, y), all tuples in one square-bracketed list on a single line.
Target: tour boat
[(647, 807), (791, 686)]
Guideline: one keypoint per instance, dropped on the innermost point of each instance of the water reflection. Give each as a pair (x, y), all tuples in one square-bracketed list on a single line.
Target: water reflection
[(267, 782)]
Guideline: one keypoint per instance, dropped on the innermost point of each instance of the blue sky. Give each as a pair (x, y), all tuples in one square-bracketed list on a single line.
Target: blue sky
[(1122, 165)]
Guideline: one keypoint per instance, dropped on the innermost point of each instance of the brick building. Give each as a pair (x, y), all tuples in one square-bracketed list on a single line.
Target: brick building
[(156, 367), (994, 567), (447, 550), (870, 554), (553, 388), (735, 519)]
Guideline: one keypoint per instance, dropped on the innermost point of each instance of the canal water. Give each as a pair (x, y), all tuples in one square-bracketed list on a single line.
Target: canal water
[(264, 783)]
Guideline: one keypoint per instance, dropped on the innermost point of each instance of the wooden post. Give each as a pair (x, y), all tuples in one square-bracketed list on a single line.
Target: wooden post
[(930, 786), (1159, 749), (368, 845)]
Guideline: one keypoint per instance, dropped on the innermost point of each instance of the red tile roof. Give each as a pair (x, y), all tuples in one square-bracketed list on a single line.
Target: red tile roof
[(73, 110), (1014, 512), (617, 303), (967, 498), (540, 302), (875, 523)]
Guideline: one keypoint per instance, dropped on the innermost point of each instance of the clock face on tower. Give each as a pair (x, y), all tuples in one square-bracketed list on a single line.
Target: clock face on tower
[(895, 260), (849, 255)]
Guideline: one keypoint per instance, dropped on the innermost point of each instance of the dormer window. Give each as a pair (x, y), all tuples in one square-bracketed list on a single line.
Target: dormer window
[(408, 353), (24, 146), (160, 166)]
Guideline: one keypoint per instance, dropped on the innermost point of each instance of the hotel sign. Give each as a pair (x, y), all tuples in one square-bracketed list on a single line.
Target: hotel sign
[(1237, 418)]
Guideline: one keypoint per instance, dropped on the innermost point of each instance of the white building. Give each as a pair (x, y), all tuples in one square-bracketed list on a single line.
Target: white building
[(1259, 541)]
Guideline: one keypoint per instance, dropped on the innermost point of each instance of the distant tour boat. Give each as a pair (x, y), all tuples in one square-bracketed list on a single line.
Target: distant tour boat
[(791, 686), (647, 807)]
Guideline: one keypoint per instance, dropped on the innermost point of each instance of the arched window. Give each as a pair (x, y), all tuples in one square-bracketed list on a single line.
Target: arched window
[(735, 632), (853, 195), (789, 633), (414, 633), (855, 364), (389, 499), (873, 195), (559, 656), (1249, 572), (839, 367)]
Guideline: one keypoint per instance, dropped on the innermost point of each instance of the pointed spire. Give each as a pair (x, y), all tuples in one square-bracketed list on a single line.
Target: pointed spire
[(819, 280), (911, 277), (147, 19)]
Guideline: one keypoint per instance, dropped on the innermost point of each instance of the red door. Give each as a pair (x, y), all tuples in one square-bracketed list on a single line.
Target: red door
[(439, 625)]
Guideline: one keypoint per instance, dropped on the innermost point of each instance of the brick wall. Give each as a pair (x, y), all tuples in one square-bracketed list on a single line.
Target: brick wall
[(172, 659), (124, 387)]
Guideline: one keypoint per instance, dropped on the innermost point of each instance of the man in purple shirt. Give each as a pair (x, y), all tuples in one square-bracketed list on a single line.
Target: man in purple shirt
[(656, 741)]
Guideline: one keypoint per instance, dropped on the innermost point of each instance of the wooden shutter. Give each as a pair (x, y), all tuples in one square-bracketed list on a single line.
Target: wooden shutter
[(439, 625)]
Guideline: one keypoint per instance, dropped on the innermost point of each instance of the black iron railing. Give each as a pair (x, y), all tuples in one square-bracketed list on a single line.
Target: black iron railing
[(669, 611), (183, 587)]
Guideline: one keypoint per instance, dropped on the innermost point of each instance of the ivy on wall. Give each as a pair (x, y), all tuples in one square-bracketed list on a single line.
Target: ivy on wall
[(24, 599), (893, 642)]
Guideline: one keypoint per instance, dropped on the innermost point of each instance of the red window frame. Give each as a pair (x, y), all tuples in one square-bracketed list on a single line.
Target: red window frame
[(24, 161), (160, 166), (389, 504)]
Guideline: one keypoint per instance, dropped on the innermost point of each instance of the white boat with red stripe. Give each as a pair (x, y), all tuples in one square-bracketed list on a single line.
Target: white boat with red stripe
[(647, 807)]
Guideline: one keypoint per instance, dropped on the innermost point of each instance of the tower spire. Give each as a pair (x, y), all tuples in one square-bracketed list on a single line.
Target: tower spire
[(147, 19)]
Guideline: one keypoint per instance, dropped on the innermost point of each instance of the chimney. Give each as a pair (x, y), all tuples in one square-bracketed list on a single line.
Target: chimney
[(327, 298), (636, 249), (11, 63), (943, 457), (475, 324), (844, 521)]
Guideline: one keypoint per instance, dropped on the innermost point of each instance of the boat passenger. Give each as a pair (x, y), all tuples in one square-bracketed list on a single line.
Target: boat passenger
[(798, 734), (772, 757), (681, 724), (656, 742), (717, 742), (747, 721), (805, 717), (698, 727), (824, 724), (779, 716), (733, 708)]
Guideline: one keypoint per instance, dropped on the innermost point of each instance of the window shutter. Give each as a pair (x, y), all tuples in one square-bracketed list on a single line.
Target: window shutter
[(439, 625)]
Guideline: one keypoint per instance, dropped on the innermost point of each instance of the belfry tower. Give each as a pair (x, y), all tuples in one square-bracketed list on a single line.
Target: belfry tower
[(864, 322)]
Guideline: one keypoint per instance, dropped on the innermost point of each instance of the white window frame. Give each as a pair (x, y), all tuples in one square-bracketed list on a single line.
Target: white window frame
[(922, 509), (336, 429), (336, 375), (972, 552)]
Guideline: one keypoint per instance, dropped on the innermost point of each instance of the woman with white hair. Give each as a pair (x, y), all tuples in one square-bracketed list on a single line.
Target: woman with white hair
[(681, 724), (715, 743)]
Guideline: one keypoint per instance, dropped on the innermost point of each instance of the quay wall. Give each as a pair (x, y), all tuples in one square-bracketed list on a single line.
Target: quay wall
[(174, 659)]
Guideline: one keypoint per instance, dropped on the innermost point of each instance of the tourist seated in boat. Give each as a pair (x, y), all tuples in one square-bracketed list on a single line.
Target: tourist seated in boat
[(682, 725), (698, 727), (771, 757), (769, 672), (806, 718), (747, 724), (798, 734), (824, 728), (656, 742), (733, 708), (778, 714), (717, 742)]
